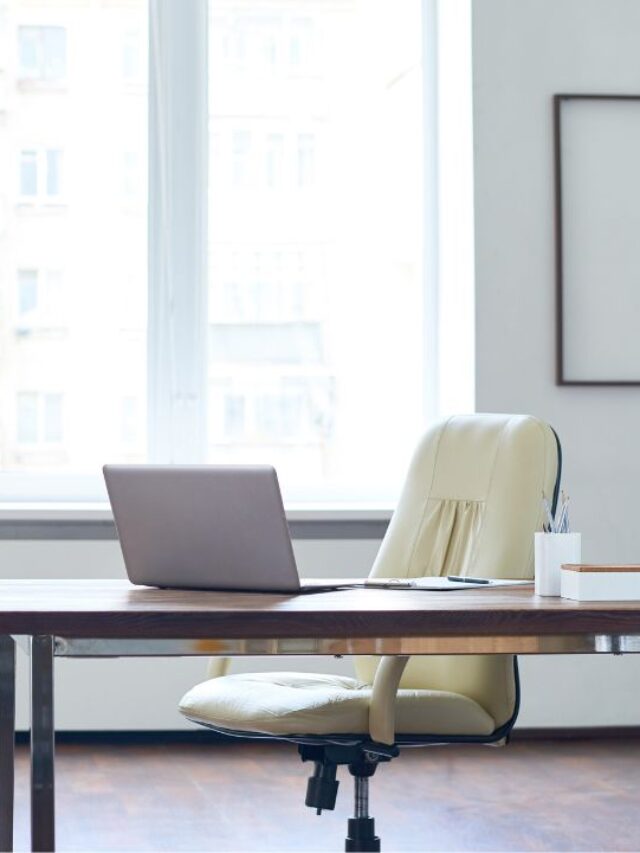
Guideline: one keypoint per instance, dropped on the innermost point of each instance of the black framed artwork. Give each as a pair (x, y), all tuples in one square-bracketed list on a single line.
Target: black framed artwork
[(597, 200)]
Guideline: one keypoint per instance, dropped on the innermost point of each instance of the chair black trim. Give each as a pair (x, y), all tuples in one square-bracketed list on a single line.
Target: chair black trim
[(556, 488)]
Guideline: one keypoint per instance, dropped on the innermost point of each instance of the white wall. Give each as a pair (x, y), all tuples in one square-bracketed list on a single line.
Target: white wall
[(523, 53)]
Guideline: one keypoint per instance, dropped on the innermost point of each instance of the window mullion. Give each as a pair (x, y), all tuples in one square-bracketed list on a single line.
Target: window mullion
[(177, 299), (430, 176)]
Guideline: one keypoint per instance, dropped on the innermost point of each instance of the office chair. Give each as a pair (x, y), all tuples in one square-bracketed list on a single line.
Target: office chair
[(470, 505)]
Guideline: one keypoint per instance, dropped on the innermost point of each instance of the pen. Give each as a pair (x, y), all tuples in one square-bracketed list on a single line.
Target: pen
[(551, 523), (460, 579), (563, 525)]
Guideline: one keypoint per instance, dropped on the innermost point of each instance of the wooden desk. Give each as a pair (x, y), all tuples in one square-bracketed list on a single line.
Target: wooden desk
[(112, 618)]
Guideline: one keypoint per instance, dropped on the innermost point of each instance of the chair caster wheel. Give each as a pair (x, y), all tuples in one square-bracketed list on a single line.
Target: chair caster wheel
[(362, 837)]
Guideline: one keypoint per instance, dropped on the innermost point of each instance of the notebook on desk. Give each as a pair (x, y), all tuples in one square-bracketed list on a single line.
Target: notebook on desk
[(443, 584)]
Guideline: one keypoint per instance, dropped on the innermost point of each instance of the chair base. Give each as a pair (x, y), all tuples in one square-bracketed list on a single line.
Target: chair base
[(362, 836), (322, 787)]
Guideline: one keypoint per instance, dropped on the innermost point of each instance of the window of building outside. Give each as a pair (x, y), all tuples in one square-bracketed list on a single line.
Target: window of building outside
[(315, 287), (27, 291), (29, 174), (40, 300), (40, 175), (42, 50), (39, 419)]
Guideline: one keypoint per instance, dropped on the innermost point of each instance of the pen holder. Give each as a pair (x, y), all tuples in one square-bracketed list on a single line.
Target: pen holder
[(551, 551)]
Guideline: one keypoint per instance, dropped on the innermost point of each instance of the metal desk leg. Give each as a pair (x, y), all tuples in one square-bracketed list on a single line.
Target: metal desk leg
[(42, 745), (7, 738)]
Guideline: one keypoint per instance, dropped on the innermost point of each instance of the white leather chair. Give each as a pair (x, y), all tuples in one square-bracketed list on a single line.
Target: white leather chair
[(470, 505)]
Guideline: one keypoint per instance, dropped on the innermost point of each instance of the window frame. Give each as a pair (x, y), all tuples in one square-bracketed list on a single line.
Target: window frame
[(178, 232)]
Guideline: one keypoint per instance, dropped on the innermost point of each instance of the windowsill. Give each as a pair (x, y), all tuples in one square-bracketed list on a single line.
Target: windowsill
[(83, 522), (101, 512)]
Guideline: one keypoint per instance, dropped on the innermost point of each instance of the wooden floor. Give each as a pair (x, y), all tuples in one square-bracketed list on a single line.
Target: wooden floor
[(536, 795)]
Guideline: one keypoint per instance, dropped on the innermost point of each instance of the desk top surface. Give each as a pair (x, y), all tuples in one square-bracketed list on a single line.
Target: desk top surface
[(115, 608)]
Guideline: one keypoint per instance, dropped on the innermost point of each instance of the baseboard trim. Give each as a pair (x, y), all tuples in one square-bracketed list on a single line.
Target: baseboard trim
[(208, 736), (577, 733)]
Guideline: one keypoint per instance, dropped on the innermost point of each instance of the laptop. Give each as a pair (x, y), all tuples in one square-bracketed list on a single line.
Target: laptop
[(204, 527)]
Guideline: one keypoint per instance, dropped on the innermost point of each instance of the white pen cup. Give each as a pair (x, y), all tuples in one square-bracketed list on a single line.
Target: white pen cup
[(551, 551)]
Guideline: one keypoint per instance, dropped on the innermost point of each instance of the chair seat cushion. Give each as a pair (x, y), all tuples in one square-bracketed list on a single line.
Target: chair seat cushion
[(295, 703)]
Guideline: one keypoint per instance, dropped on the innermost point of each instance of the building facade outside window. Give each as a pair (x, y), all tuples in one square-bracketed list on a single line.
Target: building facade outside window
[(73, 243)]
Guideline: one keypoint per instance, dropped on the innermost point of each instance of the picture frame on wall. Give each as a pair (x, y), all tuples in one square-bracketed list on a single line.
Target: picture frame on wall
[(597, 221)]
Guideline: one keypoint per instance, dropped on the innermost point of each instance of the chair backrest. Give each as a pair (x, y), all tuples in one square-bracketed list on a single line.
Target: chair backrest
[(471, 503)]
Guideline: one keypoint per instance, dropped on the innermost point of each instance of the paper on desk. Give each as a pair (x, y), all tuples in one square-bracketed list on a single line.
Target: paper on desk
[(441, 584)]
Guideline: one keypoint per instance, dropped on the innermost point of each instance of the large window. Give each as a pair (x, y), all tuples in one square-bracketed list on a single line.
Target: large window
[(223, 261)]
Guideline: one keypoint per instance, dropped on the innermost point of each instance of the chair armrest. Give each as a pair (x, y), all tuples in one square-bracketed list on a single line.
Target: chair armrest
[(382, 710)]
